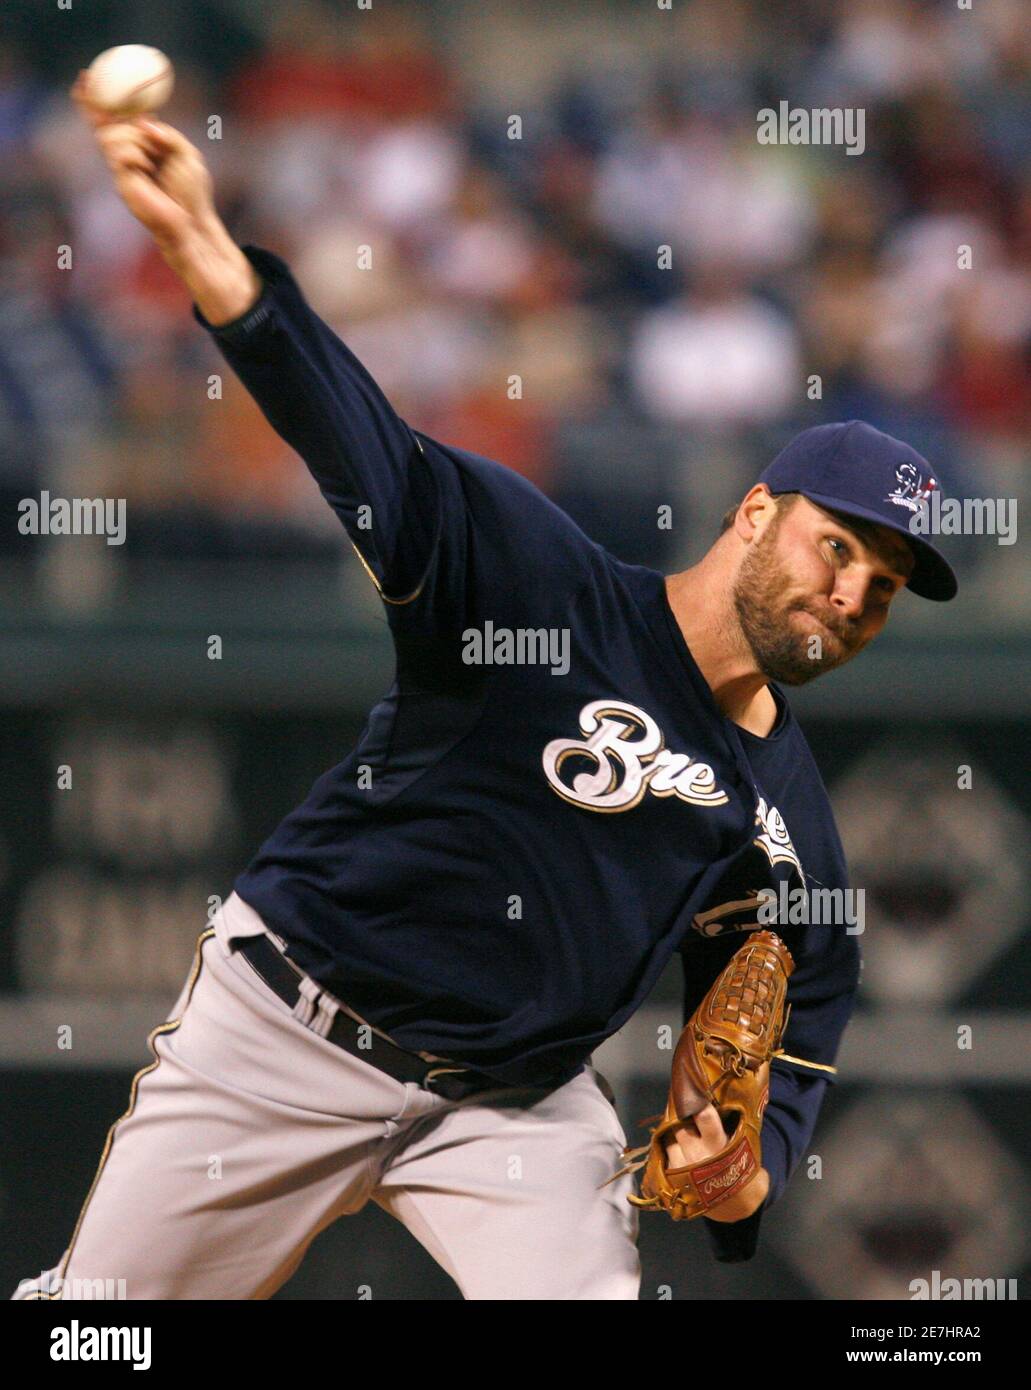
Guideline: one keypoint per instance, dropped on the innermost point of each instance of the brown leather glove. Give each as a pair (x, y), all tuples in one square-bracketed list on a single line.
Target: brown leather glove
[(722, 1059)]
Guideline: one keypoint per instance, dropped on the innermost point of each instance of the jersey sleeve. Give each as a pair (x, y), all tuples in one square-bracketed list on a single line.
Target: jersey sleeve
[(320, 399), (444, 535), (821, 993)]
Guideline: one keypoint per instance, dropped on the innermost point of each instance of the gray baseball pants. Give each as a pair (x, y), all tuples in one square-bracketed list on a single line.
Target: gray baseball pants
[(248, 1134)]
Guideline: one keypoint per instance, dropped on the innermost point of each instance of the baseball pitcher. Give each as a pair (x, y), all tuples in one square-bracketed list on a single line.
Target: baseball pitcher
[(581, 768)]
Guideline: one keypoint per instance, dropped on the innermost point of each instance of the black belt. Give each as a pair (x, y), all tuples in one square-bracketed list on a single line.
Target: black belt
[(447, 1079)]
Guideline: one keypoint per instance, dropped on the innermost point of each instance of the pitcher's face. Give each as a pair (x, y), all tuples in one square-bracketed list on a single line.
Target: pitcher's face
[(814, 588)]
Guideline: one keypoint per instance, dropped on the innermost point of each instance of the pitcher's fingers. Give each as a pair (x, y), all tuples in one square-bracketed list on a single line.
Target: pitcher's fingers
[(95, 117), (127, 154), (686, 1136), (116, 132), (682, 1140), (165, 136), (121, 148), (122, 141), (710, 1127), (675, 1156), (134, 163), (79, 90)]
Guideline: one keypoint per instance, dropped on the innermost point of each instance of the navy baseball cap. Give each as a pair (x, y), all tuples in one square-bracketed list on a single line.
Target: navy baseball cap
[(855, 469)]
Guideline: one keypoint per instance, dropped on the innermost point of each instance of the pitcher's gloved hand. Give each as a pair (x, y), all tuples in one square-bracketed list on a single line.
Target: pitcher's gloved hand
[(704, 1157)]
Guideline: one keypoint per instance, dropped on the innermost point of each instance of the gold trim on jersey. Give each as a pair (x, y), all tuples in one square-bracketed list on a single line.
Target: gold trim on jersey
[(398, 602), (379, 587), (167, 1027)]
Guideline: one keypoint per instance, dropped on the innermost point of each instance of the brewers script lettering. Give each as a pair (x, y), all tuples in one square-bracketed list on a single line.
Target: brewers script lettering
[(623, 737)]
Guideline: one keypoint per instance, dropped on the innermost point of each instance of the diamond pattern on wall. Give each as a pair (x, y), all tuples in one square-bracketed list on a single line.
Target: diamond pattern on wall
[(910, 1184), (945, 870)]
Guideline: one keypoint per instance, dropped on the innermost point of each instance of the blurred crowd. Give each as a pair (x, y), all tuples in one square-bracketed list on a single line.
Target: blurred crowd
[(517, 213)]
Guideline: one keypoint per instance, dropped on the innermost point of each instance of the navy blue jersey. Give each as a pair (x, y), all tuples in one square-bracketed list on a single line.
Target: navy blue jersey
[(548, 803)]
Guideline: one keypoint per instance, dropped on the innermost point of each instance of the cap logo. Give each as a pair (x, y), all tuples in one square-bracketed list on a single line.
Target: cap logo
[(912, 492)]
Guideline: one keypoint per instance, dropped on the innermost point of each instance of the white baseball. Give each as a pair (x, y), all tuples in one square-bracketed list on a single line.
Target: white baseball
[(131, 78)]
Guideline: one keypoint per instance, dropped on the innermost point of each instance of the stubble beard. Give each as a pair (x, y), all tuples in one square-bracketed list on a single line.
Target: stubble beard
[(783, 650)]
